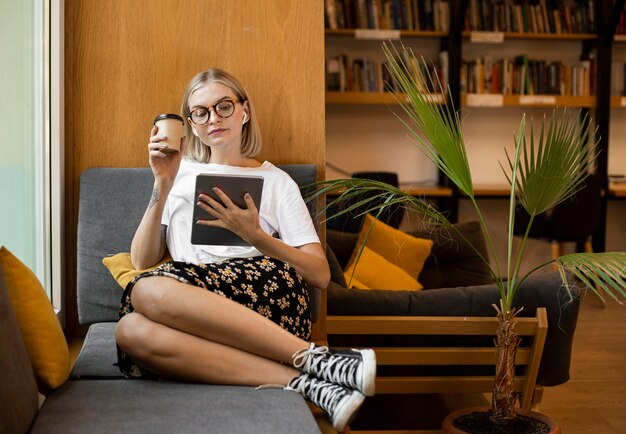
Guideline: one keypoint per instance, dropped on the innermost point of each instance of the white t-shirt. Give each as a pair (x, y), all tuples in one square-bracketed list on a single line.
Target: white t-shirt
[(282, 211)]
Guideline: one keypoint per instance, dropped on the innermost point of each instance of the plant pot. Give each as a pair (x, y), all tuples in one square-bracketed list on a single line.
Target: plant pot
[(449, 428)]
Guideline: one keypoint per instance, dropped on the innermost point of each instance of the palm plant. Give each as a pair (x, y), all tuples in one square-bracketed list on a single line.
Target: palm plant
[(542, 173)]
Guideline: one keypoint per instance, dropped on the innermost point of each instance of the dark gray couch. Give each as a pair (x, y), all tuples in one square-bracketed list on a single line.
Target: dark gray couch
[(97, 399), (456, 283)]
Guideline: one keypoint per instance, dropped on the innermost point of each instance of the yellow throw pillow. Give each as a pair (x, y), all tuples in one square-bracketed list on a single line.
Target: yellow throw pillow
[(399, 248), (375, 272), (122, 268), (38, 323), (353, 283)]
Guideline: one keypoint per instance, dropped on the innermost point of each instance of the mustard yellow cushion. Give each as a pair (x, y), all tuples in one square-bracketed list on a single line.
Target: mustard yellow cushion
[(38, 323), (122, 268), (354, 283), (405, 251), (375, 272)]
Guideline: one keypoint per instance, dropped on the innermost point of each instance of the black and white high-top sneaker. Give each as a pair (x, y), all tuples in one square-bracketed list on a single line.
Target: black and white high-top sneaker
[(351, 368), (341, 403)]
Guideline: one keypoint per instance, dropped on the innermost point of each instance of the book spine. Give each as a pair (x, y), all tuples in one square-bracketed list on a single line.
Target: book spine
[(331, 13)]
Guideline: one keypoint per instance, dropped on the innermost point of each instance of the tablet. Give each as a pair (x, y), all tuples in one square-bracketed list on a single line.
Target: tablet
[(235, 187)]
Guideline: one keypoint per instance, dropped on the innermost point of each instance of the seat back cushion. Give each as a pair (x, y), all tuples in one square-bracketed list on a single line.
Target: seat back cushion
[(18, 389), (453, 261), (112, 202)]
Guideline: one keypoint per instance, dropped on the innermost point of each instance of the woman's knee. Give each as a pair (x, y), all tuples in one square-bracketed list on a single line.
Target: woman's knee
[(149, 296), (133, 332)]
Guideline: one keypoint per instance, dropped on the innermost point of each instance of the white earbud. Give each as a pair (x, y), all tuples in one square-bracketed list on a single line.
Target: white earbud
[(194, 131), (244, 119)]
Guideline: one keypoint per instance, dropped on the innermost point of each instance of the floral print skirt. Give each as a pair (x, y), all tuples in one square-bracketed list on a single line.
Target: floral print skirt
[(268, 286)]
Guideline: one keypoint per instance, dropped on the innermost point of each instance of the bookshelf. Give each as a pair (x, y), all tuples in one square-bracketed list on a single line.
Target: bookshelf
[(493, 35), (617, 141), (476, 100), (384, 34), (587, 33), (379, 98)]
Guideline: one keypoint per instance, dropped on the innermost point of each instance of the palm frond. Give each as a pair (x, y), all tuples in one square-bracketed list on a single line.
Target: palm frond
[(602, 273), (512, 271), (435, 129), (555, 168), (366, 195)]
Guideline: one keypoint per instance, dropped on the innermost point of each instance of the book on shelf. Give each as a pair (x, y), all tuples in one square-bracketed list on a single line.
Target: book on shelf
[(525, 76), (531, 16), (346, 74), (430, 15), (621, 26)]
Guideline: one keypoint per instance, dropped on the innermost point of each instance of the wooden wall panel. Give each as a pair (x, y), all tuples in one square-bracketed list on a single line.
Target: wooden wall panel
[(128, 61)]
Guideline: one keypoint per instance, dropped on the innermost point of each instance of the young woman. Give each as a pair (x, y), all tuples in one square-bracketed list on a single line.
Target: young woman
[(231, 314)]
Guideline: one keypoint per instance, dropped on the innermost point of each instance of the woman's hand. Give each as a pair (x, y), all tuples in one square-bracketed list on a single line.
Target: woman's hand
[(243, 222), (164, 166), (309, 259)]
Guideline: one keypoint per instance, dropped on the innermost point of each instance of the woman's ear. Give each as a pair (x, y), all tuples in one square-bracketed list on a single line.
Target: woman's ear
[(246, 113)]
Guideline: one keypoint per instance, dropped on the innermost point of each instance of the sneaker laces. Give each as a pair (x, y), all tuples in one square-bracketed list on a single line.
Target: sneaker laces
[(302, 359), (330, 367), (324, 395), (269, 386)]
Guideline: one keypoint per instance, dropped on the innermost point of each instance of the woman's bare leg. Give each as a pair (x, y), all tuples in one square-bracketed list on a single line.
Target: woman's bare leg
[(210, 316), (174, 354)]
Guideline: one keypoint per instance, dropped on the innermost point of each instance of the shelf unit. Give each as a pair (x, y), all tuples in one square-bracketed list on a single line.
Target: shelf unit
[(607, 15), (476, 100)]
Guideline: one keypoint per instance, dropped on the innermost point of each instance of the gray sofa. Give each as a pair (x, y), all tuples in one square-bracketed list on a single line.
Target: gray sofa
[(97, 399), (456, 283)]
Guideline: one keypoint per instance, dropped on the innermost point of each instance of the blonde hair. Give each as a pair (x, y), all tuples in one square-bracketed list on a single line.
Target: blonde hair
[(251, 140)]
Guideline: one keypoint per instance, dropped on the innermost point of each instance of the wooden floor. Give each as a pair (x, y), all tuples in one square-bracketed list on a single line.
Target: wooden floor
[(594, 399)]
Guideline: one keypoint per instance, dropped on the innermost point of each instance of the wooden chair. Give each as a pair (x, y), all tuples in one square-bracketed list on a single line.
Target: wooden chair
[(532, 330)]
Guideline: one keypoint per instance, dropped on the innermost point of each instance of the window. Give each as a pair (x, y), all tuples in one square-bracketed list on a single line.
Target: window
[(30, 145)]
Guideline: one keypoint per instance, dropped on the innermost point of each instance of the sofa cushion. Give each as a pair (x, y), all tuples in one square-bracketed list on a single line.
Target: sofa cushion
[(342, 244), (122, 269), (18, 389), (336, 270), (372, 270), (108, 215), (152, 407), (453, 260), (405, 251), (39, 326), (98, 356)]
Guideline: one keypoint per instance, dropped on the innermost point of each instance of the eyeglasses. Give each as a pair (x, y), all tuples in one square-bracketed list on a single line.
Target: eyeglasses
[(223, 109)]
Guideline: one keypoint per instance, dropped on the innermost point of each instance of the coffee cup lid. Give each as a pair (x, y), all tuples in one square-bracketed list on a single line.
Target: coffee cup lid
[(168, 116)]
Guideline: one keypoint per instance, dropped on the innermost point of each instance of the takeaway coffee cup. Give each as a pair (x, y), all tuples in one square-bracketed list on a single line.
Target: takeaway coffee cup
[(172, 126)]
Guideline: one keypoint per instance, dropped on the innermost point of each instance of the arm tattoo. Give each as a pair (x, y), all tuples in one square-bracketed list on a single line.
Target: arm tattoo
[(154, 198)]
